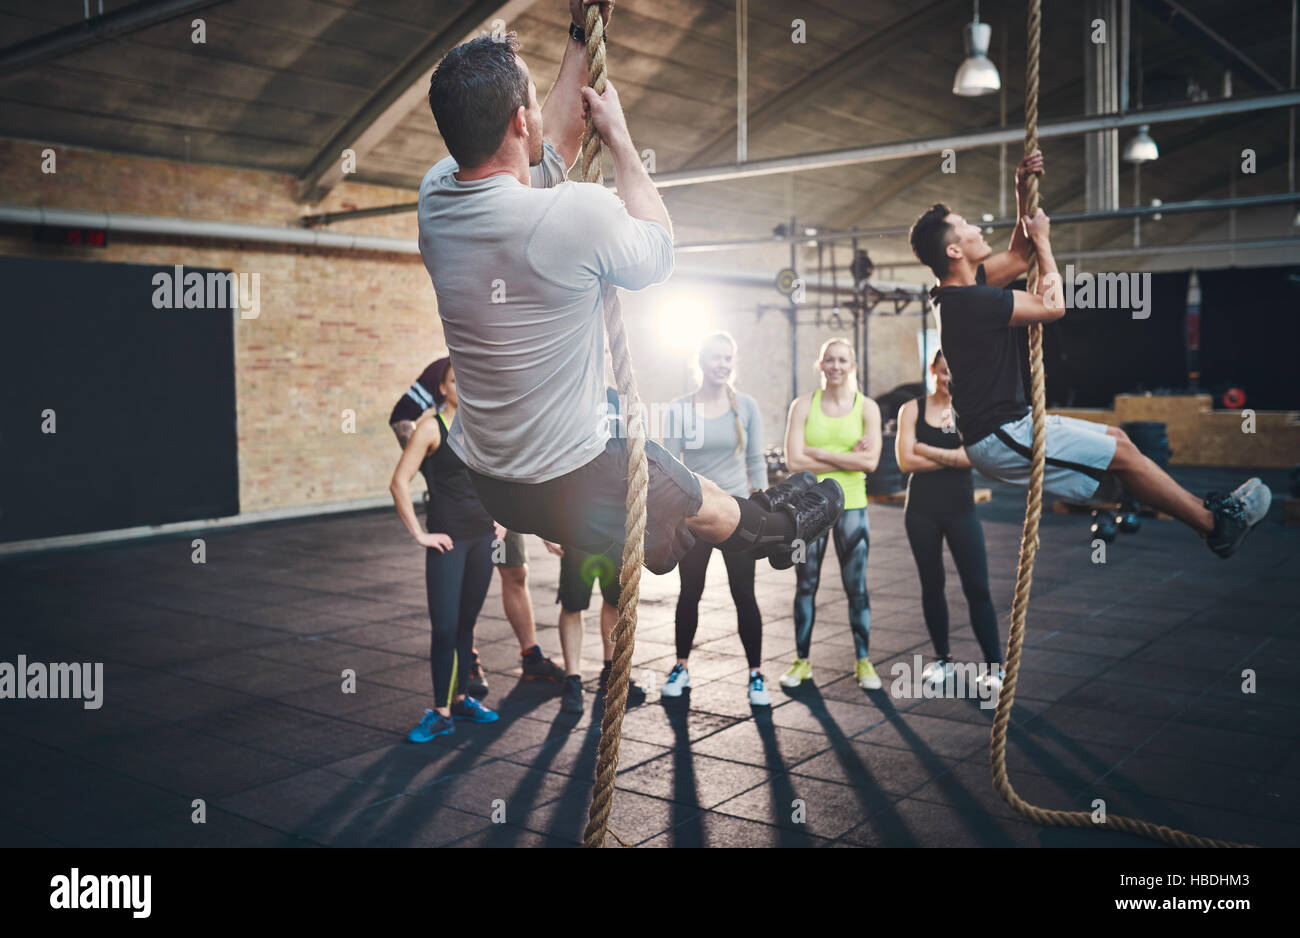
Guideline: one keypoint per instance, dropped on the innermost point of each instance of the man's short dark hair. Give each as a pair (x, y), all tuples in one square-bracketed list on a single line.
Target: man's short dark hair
[(473, 93), (930, 237)]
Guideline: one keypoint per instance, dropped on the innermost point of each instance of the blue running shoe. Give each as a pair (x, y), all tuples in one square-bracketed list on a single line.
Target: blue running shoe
[(432, 725), (678, 680), (470, 709)]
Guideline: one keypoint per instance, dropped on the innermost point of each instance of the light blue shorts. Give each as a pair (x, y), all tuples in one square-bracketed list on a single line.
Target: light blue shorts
[(1078, 452)]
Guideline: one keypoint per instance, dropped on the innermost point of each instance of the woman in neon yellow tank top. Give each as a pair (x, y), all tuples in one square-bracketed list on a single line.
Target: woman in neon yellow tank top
[(835, 432)]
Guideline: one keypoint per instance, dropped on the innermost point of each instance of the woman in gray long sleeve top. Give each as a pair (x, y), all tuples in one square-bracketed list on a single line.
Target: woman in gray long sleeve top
[(718, 433)]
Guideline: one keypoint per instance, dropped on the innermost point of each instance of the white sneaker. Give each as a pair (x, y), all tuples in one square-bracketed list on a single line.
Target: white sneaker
[(678, 680), (937, 672), (758, 693)]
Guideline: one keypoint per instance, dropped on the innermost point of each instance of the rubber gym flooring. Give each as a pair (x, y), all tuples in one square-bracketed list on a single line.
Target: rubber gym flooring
[(221, 683)]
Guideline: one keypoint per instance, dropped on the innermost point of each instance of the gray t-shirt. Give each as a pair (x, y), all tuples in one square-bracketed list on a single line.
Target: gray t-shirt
[(518, 273), (707, 445)]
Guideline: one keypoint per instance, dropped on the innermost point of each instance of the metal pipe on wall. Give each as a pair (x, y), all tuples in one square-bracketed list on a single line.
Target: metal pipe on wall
[(1061, 218), (199, 228), (926, 146), (266, 234), (1157, 250)]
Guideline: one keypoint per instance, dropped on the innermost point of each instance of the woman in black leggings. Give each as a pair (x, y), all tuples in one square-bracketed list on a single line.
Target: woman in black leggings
[(941, 506), (720, 436), (457, 559)]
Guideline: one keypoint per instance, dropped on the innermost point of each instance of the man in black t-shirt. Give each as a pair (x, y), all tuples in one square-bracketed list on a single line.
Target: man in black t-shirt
[(977, 322)]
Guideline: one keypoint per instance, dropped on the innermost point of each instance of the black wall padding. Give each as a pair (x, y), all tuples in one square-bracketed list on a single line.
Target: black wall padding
[(1091, 355), (144, 401), (1250, 331)]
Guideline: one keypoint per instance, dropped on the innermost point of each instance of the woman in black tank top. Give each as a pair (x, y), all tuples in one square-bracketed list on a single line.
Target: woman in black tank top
[(458, 546), (941, 506)]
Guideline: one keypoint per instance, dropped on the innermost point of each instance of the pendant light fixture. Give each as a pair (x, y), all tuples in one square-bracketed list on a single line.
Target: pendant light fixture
[(977, 75), (1141, 148)]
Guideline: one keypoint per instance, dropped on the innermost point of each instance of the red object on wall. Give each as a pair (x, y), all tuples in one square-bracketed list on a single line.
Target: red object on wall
[(92, 237)]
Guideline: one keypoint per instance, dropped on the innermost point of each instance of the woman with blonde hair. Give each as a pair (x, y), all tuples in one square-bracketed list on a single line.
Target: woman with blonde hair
[(718, 433), (835, 433)]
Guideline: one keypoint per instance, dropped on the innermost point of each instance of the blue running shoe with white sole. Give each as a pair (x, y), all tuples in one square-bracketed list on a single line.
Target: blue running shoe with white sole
[(470, 709), (678, 680), (432, 725)]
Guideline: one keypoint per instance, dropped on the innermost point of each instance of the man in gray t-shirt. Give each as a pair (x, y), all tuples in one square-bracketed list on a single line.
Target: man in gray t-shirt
[(523, 263)]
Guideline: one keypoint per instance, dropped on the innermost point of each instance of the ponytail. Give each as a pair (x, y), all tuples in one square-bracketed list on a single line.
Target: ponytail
[(740, 427)]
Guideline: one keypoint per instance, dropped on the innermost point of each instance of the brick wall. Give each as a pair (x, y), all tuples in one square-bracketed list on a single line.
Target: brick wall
[(349, 330), (337, 329)]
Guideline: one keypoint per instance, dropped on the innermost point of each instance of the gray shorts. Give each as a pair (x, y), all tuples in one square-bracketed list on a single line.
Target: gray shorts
[(516, 551), (1078, 452), (586, 507)]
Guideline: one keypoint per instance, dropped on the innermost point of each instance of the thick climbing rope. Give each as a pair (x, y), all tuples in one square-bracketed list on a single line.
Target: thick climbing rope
[(1029, 538), (611, 727)]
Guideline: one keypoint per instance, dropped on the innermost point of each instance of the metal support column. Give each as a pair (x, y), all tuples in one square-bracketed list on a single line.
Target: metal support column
[(1101, 96)]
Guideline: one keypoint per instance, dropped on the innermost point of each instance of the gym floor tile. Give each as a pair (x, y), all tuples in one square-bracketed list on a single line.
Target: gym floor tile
[(224, 683), (685, 778), (823, 809), (710, 829)]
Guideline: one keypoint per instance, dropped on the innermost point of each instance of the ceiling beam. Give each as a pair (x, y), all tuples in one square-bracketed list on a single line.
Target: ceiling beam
[(1192, 139), (1175, 143), (1186, 24), (401, 93), (838, 69), (96, 29), (905, 179), (1171, 145)]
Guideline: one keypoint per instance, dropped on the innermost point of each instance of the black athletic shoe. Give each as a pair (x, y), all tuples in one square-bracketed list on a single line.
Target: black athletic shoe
[(781, 493), (571, 694), (635, 692), (814, 512), (476, 685), (540, 668), (1235, 514)]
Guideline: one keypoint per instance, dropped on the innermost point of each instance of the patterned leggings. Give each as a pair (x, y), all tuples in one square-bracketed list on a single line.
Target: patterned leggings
[(852, 538)]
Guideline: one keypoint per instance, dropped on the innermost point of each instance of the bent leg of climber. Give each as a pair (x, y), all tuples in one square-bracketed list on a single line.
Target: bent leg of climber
[(586, 509)]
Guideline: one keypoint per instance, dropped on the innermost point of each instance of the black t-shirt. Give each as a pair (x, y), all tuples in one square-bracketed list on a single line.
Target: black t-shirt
[(980, 347)]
